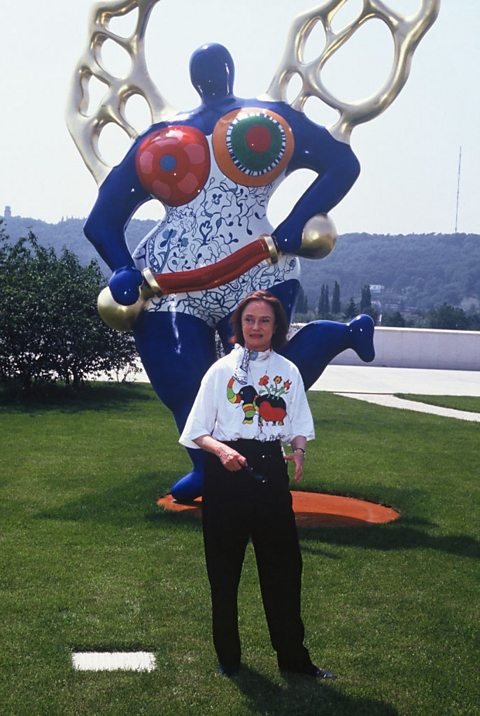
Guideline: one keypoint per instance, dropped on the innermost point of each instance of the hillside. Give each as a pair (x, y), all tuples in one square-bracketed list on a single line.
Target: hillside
[(416, 271), (69, 233), (419, 270)]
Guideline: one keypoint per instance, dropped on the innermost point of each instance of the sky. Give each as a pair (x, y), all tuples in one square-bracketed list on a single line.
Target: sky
[(409, 154)]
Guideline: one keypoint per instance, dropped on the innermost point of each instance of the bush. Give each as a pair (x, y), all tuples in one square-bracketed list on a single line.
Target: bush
[(49, 327)]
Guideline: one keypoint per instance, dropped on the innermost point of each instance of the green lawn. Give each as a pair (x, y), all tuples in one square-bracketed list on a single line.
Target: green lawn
[(467, 402), (88, 561)]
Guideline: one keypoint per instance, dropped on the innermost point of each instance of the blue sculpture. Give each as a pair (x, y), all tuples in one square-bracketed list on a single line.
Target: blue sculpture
[(214, 170)]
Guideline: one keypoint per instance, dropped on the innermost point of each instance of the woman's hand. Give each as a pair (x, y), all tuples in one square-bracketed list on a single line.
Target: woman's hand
[(298, 458), (231, 459)]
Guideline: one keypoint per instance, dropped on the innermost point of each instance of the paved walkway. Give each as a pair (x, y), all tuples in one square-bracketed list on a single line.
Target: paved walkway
[(378, 385), (390, 401)]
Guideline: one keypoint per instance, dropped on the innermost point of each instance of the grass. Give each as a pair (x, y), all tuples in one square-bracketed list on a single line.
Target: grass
[(469, 403), (88, 561)]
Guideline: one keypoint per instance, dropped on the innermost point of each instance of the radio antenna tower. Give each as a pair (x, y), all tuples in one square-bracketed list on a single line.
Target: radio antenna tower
[(458, 187)]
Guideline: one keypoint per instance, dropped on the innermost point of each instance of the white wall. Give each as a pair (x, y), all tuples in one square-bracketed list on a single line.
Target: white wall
[(421, 348)]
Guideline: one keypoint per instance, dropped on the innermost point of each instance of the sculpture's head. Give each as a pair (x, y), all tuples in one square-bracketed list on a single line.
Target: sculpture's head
[(212, 72)]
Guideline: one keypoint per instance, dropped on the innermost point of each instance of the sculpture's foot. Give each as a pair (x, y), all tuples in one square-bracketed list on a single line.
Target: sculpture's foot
[(361, 337), (188, 487)]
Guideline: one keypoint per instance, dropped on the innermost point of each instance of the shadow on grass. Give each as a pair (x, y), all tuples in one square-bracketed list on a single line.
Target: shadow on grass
[(303, 695), (400, 535), (135, 501), (66, 399), (125, 503), (408, 532)]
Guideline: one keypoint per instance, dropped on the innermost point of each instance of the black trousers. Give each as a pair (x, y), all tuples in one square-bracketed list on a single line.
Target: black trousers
[(236, 508)]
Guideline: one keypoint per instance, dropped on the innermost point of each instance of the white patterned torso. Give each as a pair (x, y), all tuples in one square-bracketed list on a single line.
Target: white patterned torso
[(224, 217)]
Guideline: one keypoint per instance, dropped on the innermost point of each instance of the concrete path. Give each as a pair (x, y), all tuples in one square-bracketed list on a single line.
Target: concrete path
[(390, 401), (370, 379), (378, 385)]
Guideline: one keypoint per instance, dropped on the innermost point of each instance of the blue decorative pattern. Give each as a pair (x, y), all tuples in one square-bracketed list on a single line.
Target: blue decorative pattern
[(224, 217)]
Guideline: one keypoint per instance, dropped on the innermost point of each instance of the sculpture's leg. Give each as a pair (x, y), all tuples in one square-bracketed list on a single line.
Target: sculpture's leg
[(316, 344), (176, 351), (287, 293)]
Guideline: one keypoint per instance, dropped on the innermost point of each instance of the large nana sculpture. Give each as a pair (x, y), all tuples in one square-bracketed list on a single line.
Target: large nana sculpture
[(214, 170)]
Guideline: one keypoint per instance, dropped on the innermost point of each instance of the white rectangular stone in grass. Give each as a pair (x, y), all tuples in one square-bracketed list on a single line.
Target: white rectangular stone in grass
[(113, 661)]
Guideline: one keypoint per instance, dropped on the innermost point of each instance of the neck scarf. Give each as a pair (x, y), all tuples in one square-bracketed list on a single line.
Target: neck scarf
[(244, 358)]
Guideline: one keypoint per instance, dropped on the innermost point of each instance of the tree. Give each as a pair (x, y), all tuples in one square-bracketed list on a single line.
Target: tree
[(336, 305), (393, 318), (324, 302), (351, 311), (366, 305), (321, 301), (366, 299), (473, 321), (449, 317), (49, 326), (301, 305)]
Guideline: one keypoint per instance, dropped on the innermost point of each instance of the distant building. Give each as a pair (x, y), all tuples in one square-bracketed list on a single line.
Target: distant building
[(7, 214), (376, 288)]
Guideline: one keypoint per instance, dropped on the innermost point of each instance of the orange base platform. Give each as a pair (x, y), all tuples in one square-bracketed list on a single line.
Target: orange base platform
[(312, 509)]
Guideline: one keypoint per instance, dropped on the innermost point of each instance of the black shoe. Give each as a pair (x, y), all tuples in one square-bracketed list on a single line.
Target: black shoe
[(310, 670), (323, 673), (229, 670)]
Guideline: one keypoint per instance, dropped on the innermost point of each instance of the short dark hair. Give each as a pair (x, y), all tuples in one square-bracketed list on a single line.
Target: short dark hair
[(279, 337)]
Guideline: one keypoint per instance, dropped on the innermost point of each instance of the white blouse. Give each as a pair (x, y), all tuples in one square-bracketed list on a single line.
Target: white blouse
[(256, 396)]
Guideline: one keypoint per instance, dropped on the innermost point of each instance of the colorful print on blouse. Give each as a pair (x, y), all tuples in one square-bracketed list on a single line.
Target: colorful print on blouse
[(262, 402)]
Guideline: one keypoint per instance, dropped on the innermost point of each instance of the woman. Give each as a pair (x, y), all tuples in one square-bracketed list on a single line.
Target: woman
[(249, 403)]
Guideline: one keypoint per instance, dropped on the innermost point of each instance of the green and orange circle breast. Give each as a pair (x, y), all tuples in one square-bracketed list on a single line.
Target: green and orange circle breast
[(252, 146)]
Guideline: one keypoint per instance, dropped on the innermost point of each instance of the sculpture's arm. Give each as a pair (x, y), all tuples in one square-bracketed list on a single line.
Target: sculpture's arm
[(120, 195), (337, 168)]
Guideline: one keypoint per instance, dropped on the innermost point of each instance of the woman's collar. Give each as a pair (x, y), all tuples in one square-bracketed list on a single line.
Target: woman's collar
[(258, 356), (255, 355)]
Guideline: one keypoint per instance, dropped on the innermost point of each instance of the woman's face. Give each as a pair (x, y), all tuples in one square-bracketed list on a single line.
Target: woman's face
[(258, 325)]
